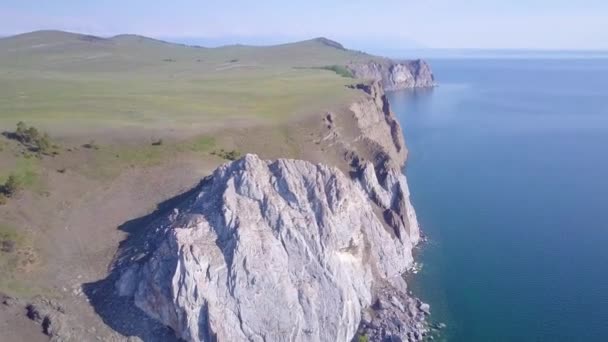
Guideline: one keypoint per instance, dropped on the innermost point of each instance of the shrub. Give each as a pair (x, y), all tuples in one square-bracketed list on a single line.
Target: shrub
[(229, 155), (32, 138), (363, 338), (232, 155), (339, 69), (91, 145), (11, 186), (3, 199)]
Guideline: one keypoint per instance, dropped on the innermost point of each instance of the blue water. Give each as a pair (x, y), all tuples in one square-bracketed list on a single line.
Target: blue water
[(508, 170)]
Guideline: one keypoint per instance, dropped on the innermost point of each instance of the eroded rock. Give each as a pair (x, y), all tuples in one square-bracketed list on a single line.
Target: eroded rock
[(276, 250), (395, 75)]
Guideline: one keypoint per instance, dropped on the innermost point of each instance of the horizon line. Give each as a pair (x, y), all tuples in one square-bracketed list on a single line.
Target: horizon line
[(175, 40)]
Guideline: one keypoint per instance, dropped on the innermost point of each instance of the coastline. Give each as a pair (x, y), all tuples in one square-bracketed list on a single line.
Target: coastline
[(379, 152), (352, 128), (379, 252)]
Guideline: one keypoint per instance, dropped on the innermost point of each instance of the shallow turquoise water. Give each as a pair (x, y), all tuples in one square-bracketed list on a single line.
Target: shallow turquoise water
[(508, 170)]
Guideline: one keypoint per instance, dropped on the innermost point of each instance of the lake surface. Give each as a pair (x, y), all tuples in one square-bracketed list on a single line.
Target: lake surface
[(508, 170)]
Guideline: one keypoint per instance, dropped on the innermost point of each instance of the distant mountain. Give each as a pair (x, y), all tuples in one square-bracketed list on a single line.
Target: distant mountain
[(49, 38), (66, 50)]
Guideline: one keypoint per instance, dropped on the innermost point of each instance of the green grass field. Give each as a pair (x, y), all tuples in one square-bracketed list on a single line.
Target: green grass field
[(57, 79), (124, 92)]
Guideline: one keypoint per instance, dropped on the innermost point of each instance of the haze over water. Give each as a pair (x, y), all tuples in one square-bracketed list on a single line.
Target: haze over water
[(508, 170)]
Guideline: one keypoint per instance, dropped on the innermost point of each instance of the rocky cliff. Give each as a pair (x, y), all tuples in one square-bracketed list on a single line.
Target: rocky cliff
[(273, 251), (289, 250), (395, 75)]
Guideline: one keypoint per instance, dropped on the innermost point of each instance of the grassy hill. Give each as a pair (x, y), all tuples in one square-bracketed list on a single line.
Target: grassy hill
[(54, 79), (132, 121)]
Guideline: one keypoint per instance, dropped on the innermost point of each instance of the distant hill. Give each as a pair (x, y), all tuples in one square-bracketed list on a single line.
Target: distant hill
[(62, 77), (72, 51)]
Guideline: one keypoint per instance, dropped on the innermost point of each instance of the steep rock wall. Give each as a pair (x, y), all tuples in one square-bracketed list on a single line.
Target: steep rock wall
[(289, 250), (395, 75), (271, 250)]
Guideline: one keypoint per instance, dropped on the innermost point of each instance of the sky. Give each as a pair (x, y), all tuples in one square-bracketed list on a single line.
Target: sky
[(405, 24)]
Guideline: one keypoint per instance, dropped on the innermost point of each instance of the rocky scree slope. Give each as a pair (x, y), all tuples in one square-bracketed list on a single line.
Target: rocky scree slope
[(395, 75)]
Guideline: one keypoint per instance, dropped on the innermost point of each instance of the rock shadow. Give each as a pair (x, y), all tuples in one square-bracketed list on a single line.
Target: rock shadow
[(120, 312)]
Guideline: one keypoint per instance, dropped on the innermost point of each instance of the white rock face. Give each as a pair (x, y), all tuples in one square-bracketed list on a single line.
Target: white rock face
[(276, 251), (395, 75)]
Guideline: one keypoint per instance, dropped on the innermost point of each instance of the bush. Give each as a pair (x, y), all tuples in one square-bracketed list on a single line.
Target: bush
[(91, 145), (32, 138), (11, 186), (339, 69), (363, 338), (232, 155), (229, 155), (3, 199)]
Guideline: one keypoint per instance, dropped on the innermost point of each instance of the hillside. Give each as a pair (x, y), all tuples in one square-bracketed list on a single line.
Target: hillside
[(116, 128), (49, 76), (59, 48)]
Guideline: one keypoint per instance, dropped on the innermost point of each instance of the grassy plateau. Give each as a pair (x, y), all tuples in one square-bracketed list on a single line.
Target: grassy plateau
[(129, 121)]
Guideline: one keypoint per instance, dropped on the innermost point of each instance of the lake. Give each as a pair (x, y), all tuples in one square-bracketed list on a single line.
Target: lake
[(508, 170)]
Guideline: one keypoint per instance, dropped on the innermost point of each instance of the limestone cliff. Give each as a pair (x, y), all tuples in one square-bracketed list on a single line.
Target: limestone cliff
[(395, 75), (289, 250), (272, 251)]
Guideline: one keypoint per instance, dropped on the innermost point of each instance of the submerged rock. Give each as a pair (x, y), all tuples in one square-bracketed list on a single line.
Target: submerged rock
[(280, 250)]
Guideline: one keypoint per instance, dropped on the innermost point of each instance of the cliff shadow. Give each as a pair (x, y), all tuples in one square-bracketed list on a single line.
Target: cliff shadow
[(120, 312)]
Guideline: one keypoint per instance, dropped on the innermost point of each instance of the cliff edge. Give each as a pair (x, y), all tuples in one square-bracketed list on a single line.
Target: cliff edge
[(272, 251), (288, 249), (395, 75)]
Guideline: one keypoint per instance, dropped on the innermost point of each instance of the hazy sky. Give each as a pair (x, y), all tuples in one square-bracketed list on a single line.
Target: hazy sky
[(537, 24)]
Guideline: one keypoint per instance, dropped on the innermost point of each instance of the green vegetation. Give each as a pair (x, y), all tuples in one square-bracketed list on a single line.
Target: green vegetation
[(11, 186), (130, 85), (228, 155), (362, 338), (339, 69), (200, 144), (26, 171), (17, 256), (23, 174), (32, 138)]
